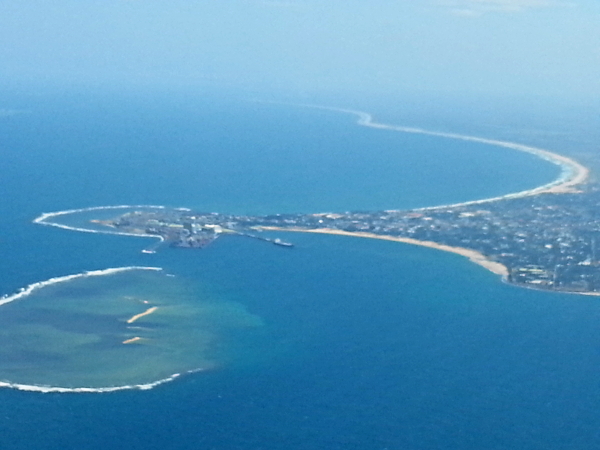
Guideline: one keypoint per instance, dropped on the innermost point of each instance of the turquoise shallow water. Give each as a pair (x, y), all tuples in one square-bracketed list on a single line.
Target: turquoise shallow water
[(115, 329), (364, 343)]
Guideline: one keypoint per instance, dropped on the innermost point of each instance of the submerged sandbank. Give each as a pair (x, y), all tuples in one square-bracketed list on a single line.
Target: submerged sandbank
[(87, 320)]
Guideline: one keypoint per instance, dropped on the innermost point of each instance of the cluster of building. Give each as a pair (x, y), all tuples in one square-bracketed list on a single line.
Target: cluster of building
[(174, 226), (548, 241)]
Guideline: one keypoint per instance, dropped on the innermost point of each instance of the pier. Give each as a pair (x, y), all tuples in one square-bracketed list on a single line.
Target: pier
[(275, 241)]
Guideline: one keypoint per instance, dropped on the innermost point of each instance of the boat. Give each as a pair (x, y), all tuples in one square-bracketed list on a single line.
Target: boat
[(282, 243)]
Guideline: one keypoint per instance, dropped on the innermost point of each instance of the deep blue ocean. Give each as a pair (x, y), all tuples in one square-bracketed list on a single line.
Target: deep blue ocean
[(366, 344)]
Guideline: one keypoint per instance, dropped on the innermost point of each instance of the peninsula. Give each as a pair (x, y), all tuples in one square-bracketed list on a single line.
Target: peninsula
[(545, 238), (547, 241)]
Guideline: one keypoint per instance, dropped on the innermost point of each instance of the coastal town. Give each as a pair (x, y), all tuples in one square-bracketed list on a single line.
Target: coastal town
[(182, 228), (547, 241)]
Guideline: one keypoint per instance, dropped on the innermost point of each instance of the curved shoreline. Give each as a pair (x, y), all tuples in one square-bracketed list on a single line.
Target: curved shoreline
[(474, 256), (572, 172)]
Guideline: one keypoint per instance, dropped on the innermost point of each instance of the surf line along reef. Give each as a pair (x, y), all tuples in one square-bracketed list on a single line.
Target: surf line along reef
[(542, 238)]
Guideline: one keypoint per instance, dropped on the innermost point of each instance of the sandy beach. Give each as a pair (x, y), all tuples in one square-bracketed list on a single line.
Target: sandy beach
[(472, 255), (573, 174)]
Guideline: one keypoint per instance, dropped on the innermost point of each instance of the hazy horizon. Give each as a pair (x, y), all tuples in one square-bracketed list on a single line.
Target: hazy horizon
[(495, 48)]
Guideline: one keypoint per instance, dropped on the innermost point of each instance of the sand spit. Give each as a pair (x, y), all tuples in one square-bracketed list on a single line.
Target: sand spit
[(140, 315)]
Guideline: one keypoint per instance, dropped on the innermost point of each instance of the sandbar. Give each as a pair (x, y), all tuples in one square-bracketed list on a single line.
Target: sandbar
[(140, 315)]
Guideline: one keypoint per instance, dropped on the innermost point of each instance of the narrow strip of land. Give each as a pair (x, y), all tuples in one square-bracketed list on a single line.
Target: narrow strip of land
[(572, 175), (140, 315)]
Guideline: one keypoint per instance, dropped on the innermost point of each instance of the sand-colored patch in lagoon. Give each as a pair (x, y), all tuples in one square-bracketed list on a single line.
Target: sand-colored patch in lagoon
[(140, 315)]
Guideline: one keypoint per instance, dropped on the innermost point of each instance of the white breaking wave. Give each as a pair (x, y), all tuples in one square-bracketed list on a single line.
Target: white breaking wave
[(91, 390), (24, 292), (47, 389), (572, 173)]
